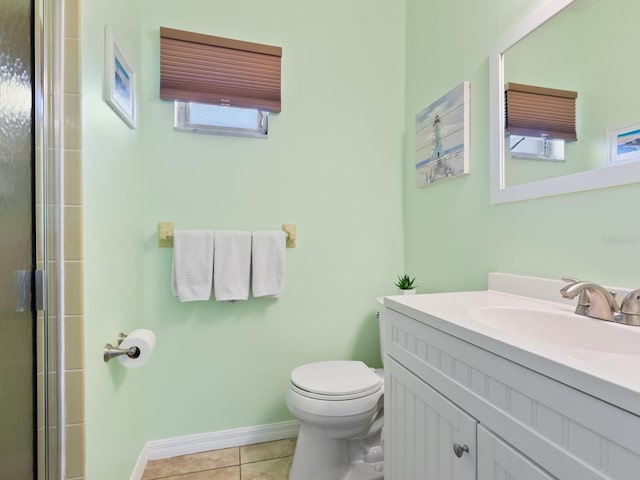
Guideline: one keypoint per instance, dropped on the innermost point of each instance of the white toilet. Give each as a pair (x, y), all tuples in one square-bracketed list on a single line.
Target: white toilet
[(340, 408)]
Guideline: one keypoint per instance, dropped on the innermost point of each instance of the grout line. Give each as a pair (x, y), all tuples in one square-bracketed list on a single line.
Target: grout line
[(263, 461), (182, 474), (268, 459), (189, 472), (76, 424)]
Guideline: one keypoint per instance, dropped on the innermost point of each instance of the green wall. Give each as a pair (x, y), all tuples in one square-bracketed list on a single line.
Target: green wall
[(113, 248), (331, 166), (453, 236)]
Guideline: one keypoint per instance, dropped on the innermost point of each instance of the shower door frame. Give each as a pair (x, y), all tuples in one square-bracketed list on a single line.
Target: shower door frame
[(48, 32)]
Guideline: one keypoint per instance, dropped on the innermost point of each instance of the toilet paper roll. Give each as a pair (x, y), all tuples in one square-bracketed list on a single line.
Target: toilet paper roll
[(145, 341)]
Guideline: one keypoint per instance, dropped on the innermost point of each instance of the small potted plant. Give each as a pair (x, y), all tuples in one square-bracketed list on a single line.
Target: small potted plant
[(406, 284)]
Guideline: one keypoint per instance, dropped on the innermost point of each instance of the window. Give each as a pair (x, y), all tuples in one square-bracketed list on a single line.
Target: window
[(222, 120)]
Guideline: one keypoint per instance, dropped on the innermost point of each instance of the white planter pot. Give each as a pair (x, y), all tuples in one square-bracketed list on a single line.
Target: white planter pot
[(409, 292)]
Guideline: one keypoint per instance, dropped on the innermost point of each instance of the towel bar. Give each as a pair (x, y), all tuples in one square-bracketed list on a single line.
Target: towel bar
[(165, 234)]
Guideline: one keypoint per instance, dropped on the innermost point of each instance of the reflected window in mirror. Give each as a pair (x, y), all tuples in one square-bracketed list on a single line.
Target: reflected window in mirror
[(536, 148)]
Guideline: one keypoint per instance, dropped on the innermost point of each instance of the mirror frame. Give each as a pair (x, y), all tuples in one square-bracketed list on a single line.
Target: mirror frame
[(606, 176)]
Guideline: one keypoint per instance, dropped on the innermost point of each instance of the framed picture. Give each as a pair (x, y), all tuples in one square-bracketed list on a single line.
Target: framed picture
[(120, 80), (624, 143), (442, 138)]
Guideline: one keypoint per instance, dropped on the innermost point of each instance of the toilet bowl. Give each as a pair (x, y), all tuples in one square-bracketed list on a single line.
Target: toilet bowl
[(340, 408)]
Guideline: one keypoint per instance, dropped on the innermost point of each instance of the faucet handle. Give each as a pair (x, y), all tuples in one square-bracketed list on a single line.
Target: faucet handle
[(570, 280), (631, 303)]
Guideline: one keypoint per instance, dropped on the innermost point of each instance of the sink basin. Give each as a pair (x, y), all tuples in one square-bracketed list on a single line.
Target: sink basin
[(561, 328)]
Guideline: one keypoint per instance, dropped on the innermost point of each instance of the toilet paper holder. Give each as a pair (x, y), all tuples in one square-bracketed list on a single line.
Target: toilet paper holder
[(110, 351)]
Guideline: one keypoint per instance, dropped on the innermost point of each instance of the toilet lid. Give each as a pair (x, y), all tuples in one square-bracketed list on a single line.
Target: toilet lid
[(336, 378)]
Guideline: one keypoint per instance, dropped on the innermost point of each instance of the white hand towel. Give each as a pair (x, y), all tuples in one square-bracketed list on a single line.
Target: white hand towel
[(232, 265), (267, 263), (192, 264)]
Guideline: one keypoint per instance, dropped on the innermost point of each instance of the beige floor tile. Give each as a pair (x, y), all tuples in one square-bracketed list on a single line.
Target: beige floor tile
[(229, 473), (198, 462), (277, 469), (267, 450)]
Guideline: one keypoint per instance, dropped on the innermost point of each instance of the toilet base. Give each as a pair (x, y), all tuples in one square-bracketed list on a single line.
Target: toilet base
[(365, 471), (319, 457)]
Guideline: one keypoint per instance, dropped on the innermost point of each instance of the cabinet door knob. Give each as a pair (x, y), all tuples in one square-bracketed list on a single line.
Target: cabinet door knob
[(460, 449)]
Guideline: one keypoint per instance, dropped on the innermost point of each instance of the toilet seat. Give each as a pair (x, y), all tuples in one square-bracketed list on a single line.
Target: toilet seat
[(335, 380)]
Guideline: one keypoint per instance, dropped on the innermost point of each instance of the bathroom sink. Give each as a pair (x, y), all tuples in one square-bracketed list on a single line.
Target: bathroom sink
[(560, 328)]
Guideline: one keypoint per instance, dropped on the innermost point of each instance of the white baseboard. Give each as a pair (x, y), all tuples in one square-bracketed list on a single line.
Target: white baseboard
[(203, 442), (141, 464)]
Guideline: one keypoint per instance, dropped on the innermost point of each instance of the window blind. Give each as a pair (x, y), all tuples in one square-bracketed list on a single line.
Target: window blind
[(540, 112), (221, 71)]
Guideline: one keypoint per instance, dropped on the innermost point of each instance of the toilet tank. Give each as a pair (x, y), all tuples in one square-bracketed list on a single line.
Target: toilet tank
[(382, 329)]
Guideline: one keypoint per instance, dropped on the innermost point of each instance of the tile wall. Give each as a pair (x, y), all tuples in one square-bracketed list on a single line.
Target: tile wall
[(73, 248)]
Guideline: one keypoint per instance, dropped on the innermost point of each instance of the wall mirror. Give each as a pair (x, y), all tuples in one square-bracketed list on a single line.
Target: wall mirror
[(586, 46)]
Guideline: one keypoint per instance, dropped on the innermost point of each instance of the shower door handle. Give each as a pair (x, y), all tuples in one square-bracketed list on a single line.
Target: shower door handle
[(25, 281), (23, 290)]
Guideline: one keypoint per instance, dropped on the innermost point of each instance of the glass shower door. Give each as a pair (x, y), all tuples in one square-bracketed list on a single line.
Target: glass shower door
[(17, 343)]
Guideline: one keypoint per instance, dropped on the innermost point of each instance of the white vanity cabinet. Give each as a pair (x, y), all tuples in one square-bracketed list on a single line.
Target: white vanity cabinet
[(442, 390), (423, 428)]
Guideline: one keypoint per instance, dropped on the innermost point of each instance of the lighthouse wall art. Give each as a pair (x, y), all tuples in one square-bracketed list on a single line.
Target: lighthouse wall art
[(442, 138)]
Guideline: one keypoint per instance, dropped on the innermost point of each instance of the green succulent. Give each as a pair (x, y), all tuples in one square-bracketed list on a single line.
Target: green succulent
[(404, 282)]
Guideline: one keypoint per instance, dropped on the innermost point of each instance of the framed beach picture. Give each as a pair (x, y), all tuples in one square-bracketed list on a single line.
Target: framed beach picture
[(624, 143), (120, 80), (442, 138)]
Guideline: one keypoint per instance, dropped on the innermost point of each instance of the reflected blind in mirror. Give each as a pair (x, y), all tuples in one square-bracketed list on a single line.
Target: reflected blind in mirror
[(540, 112)]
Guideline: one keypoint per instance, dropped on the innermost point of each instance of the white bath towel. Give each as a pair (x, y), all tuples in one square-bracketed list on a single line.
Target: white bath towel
[(267, 263), (232, 265), (193, 264)]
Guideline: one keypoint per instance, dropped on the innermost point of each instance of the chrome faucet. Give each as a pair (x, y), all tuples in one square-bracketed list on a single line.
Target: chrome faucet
[(596, 301)]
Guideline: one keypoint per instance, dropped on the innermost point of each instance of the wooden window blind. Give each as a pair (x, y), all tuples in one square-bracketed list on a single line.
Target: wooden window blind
[(540, 112), (221, 71)]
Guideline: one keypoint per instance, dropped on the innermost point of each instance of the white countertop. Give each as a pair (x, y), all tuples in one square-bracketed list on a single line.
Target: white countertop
[(612, 377)]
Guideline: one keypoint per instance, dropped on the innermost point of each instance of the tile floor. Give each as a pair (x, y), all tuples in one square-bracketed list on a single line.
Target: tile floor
[(262, 461)]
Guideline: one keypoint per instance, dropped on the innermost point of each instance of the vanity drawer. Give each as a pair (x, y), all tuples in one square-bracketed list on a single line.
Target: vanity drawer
[(570, 434)]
